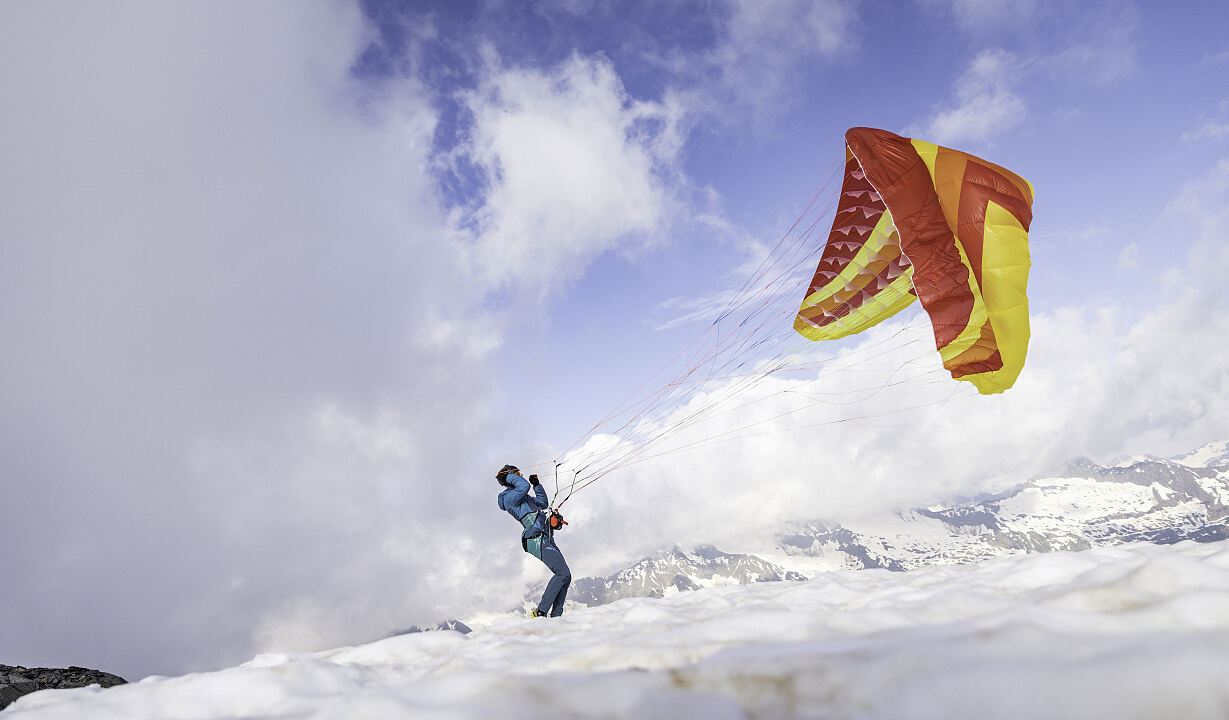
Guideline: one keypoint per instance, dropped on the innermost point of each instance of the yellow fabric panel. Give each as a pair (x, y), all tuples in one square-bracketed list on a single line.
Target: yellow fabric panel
[(927, 151), (1005, 268)]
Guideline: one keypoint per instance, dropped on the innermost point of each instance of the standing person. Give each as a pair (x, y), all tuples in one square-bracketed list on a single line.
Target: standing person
[(538, 537)]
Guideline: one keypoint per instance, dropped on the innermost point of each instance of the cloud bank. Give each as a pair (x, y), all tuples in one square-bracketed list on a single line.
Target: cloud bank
[(249, 355)]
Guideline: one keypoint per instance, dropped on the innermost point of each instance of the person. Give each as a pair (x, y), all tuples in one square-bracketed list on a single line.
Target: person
[(538, 537)]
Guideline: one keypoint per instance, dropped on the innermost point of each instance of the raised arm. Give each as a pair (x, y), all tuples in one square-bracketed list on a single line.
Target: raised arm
[(520, 488), (540, 499)]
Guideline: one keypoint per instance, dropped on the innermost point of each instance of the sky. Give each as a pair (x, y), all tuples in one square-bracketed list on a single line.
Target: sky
[(282, 285)]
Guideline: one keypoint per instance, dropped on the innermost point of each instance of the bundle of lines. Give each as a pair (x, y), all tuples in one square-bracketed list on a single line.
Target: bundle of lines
[(727, 369)]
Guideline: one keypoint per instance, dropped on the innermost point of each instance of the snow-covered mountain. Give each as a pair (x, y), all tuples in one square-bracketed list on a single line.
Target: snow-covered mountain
[(671, 571), (1214, 455), (1148, 499)]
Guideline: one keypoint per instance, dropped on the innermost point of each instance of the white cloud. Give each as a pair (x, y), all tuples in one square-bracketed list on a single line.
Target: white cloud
[(575, 168), (243, 352), (987, 104)]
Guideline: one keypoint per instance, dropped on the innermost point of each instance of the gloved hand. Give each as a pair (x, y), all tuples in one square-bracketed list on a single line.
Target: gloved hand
[(533, 479)]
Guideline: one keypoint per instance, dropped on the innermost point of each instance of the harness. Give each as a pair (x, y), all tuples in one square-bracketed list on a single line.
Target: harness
[(539, 529), (532, 544)]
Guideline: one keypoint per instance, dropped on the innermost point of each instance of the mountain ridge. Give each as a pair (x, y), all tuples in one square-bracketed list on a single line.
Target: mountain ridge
[(1086, 505)]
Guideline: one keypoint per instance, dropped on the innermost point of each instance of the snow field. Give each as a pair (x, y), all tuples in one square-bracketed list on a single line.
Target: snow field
[(1133, 631)]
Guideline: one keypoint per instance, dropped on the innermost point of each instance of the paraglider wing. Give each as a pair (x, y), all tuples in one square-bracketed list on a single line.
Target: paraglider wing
[(959, 225)]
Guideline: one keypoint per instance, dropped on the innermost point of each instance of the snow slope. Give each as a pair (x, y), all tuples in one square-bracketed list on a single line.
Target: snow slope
[(1132, 631)]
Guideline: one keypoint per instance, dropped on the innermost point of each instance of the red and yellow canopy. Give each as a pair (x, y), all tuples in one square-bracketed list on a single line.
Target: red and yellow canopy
[(920, 221)]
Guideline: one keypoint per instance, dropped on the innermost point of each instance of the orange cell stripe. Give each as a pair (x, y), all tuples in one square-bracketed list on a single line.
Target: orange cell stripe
[(982, 357), (982, 185), (948, 180), (994, 362)]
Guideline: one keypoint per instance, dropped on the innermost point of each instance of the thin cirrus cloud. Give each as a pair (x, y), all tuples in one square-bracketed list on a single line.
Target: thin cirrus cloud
[(1213, 129), (986, 103), (735, 62), (1095, 45), (987, 16)]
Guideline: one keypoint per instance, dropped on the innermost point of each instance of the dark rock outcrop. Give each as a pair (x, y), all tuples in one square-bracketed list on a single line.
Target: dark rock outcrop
[(16, 681)]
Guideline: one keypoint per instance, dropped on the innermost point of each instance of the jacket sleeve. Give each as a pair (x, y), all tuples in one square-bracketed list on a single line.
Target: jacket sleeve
[(541, 500), (520, 488)]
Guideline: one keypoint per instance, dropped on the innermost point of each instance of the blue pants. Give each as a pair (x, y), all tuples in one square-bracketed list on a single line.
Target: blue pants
[(557, 588)]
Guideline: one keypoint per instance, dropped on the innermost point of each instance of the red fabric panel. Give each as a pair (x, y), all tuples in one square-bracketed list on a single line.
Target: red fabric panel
[(979, 185), (940, 279)]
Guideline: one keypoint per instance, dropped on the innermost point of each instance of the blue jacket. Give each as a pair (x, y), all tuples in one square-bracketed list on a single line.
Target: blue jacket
[(519, 502)]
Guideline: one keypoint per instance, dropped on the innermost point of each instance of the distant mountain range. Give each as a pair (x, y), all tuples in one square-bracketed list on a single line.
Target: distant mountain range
[(1145, 499), (676, 570)]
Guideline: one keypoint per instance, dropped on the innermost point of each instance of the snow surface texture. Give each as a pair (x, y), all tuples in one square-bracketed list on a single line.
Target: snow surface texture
[(1132, 631)]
